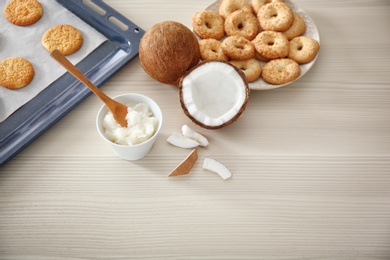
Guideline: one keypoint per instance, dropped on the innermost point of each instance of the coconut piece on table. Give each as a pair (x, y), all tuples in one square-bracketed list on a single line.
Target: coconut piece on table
[(181, 141), (217, 167), (188, 132), (186, 165), (214, 94)]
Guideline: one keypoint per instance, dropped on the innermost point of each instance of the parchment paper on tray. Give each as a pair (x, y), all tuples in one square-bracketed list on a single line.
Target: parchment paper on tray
[(26, 42)]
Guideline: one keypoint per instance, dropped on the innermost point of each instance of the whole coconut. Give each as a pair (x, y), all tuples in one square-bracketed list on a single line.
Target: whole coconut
[(167, 51)]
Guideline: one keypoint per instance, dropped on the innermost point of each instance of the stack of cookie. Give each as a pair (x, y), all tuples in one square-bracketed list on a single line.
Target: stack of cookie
[(245, 34), (18, 72)]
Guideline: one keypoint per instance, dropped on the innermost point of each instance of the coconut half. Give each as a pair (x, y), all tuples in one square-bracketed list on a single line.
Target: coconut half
[(214, 94)]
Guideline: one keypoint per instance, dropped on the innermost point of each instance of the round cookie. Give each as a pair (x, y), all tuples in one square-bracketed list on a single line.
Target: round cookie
[(271, 45), (257, 4), (229, 6), (242, 23), (281, 71), (15, 72), (303, 49), (251, 68), (210, 49), (275, 17), (297, 28), (238, 48), (23, 12), (208, 24), (261, 57), (64, 38)]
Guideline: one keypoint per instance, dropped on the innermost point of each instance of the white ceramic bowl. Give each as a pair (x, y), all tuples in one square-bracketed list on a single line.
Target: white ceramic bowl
[(137, 151)]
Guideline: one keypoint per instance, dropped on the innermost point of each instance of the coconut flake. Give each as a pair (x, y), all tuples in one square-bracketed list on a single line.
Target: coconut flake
[(186, 165), (182, 141), (188, 132), (217, 167)]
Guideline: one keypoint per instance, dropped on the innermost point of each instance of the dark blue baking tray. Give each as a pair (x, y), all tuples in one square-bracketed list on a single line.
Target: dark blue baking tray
[(53, 103)]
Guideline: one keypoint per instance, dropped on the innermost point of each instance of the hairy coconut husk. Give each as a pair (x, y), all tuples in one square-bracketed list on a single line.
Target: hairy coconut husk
[(167, 51)]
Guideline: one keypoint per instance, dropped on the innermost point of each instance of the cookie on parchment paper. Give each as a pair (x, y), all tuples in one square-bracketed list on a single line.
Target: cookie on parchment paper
[(23, 12), (64, 38), (15, 72)]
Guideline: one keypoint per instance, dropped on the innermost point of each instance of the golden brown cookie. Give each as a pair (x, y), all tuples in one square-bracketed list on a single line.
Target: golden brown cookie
[(242, 23), (297, 28), (257, 4), (208, 24), (15, 72), (271, 45), (303, 49), (238, 48), (261, 57), (64, 38), (210, 49), (251, 68), (275, 17), (281, 71), (229, 6), (23, 12)]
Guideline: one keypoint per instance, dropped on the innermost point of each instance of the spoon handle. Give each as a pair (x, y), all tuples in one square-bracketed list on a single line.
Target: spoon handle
[(118, 110), (78, 74)]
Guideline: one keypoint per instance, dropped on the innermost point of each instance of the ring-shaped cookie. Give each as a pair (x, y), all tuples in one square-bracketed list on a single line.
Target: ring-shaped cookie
[(280, 71), (210, 49), (275, 17), (303, 49), (251, 68), (260, 57), (229, 6), (297, 28), (271, 45), (242, 23), (208, 24), (257, 4), (238, 48)]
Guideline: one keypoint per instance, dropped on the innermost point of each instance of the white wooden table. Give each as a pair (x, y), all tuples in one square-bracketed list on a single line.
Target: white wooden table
[(310, 163)]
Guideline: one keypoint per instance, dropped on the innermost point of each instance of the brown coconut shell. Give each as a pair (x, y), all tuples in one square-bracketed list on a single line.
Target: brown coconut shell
[(186, 165), (167, 51), (233, 119)]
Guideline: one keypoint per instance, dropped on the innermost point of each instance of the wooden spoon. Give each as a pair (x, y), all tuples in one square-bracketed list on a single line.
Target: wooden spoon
[(118, 110)]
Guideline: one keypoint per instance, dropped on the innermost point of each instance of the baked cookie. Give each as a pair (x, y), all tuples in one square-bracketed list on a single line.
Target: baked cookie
[(303, 49), (242, 23), (271, 45), (64, 38), (229, 6), (251, 68), (275, 17), (15, 72), (208, 24), (297, 28), (238, 48), (210, 49), (260, 57), (281, 71), (23, 12), (257, 4)]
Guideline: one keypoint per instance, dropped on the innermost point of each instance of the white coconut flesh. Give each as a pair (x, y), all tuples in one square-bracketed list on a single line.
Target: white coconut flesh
[(214, 93)]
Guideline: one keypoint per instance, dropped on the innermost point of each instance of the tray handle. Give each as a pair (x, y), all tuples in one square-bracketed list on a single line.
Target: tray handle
[(110, 22)]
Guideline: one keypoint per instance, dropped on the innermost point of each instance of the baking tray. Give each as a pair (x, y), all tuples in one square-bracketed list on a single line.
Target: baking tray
[(59, 98)]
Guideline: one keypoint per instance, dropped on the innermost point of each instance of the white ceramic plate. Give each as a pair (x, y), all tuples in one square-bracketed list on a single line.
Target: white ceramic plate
[(311, 31)]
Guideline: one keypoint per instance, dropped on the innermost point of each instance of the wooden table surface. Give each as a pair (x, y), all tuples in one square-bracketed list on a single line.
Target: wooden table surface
[(310, 163)]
